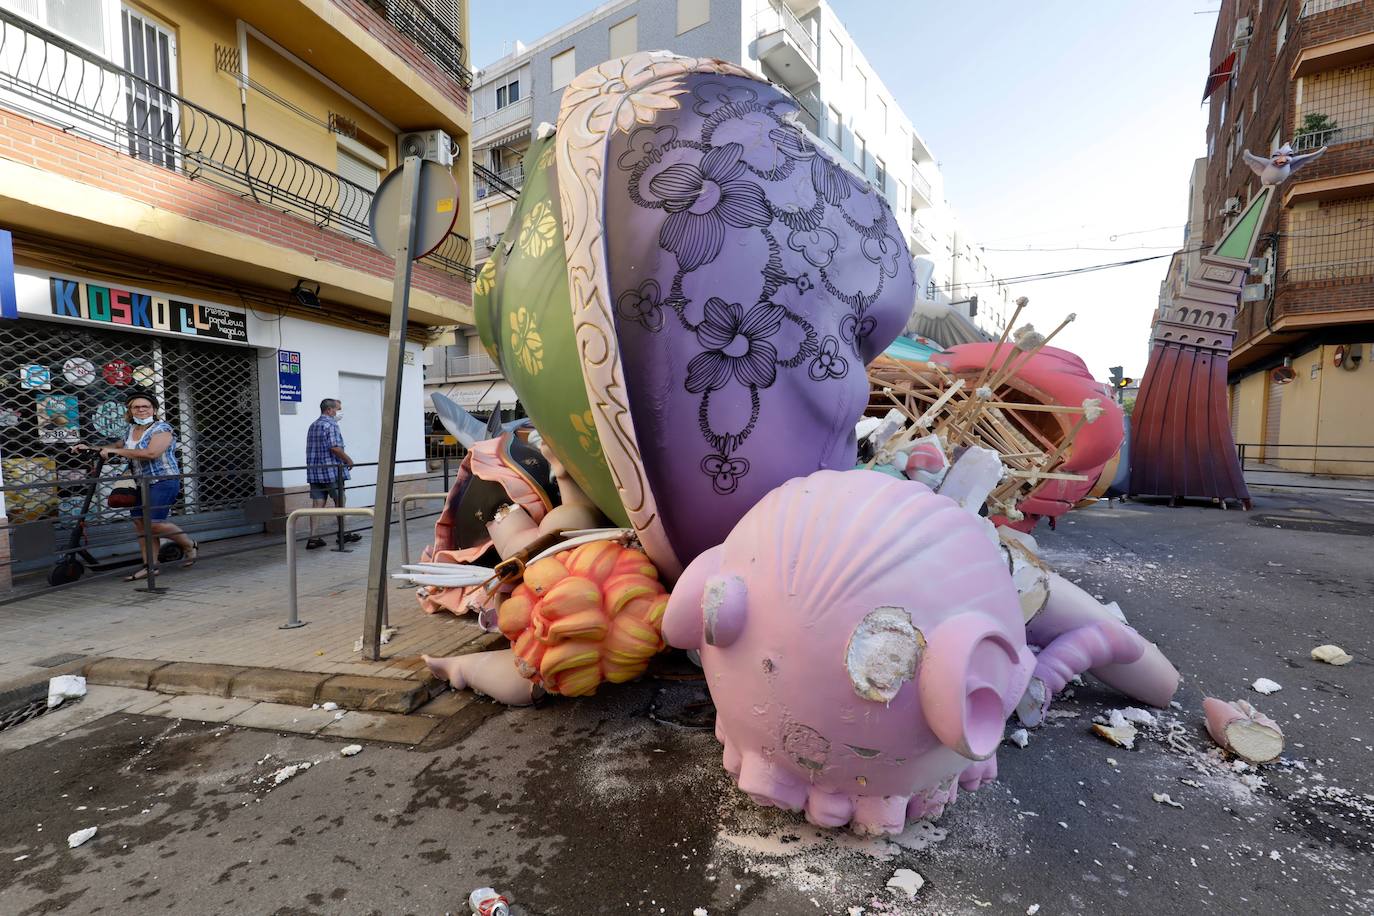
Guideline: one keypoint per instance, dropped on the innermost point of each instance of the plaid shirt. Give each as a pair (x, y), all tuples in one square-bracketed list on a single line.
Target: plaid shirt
[(322, 465), (164, 464)]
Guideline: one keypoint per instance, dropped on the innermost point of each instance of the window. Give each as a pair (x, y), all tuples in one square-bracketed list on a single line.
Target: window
[(833, 127), (882, 115), (1240, 131), (834, 54), (1254, 101), (83, 21), (625, 37), (861, 154), (562, 69), (862, 81), (1277, 140), (1230, 154), (692, 13), (150, 112), (880, 174), (508, 94), (361, 167), (1282, 34)]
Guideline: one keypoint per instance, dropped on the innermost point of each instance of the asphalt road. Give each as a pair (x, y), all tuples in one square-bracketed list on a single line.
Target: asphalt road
[(618, 804)]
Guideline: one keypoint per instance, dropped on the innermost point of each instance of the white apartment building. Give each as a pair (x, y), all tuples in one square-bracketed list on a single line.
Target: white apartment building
[(800, 45)]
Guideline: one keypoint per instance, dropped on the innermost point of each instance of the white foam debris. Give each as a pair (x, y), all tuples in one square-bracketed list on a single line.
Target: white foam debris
[(331, 706), (1092, 409), (286, 772), (907, 881), (544, 131), (1020, 737), (351, 750), (983, 393), (1137, 716), (699, 911), (20, 858), (81, 836), (1032, 909), (1164, 799), (1265, 686), (1332, 655), (65, 687)]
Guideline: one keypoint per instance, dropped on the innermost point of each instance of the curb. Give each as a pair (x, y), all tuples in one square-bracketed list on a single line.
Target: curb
[(274, 685)]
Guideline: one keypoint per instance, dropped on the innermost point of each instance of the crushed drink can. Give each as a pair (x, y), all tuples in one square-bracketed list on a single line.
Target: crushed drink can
[(486, 902)]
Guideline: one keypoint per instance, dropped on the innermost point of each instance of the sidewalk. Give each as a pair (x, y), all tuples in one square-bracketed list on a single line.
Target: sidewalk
[(1273, 477), (227, 610)]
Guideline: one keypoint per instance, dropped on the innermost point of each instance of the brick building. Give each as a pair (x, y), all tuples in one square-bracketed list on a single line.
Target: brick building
[(186, 187), (1303, 73)]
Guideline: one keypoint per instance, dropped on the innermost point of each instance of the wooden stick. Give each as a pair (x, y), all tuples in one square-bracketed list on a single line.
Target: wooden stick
[(1021, 303)]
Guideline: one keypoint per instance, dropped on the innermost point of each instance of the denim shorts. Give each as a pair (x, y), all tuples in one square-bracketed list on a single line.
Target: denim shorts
[(323, 491), (163, 494)]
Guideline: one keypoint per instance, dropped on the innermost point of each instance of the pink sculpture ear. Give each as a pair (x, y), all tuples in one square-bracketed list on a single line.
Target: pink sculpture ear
[(967, 668), (684, 621)]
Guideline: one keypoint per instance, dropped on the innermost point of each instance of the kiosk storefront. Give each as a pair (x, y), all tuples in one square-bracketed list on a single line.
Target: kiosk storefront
[(77, 348)]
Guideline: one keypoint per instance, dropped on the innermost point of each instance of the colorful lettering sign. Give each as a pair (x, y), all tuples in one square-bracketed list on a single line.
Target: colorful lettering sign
[(141, 311), (289, 375)]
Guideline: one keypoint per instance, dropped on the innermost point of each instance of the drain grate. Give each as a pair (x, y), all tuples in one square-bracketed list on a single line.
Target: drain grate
[(22, 704), (1309, 523)]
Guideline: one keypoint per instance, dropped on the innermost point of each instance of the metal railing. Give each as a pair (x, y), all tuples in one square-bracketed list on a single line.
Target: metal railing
[(1334, 135), (777, 17), (921, 185), (469, 365), (501, 118), (1313, 460), (507, 182), (439, 40), (1313, 7), (1333, 270), (51, 79)]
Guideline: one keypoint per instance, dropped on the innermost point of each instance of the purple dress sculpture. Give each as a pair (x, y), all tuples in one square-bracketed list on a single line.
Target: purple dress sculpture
[(753, 277)]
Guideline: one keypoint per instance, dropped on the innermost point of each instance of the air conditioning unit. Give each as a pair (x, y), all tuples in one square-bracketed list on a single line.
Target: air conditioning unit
[(1243, 32), (435, 145), (1231, 206)]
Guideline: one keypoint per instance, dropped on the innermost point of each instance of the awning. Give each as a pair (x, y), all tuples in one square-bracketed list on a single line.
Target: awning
[(1219, 76), (470, 396)]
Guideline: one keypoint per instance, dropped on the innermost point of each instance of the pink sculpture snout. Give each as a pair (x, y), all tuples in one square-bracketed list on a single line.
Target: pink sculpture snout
[(863, 643)]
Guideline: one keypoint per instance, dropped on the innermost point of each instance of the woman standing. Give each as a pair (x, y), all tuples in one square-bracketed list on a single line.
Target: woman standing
[(150, 447)]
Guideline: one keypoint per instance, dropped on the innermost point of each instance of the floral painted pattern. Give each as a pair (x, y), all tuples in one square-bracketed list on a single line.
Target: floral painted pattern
[(526, 341), (486, 278), (538, 231), (715, 186), (584, 424)]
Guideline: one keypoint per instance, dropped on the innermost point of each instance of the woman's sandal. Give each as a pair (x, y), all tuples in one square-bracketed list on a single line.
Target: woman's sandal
[(194, 555), (138, 576)]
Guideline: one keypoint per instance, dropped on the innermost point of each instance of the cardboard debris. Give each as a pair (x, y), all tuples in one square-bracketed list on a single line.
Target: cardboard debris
[(1120, 735), (1332, 655), (1243, 730)]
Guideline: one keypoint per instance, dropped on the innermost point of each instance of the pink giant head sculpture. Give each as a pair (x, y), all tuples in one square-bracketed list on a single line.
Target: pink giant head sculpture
[(863, 643)]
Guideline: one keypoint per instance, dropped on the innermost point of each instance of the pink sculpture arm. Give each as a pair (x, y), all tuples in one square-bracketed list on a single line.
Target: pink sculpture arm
[(1147, 677)]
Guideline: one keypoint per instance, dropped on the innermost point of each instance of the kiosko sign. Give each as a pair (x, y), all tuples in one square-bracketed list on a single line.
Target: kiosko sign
[(145, 311)]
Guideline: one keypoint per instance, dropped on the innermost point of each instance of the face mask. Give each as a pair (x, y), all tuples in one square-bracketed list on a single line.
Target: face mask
[(143, 421), (338, 416)]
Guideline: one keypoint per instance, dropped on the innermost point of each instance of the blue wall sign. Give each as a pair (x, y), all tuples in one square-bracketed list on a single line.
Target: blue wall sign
[(9, 302), (289, 375)]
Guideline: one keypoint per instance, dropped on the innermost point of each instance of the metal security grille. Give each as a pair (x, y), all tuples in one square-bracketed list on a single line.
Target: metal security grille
[(61, 384)]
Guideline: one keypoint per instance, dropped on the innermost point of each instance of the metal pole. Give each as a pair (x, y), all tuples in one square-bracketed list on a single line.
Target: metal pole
[(447, 485), (293, 615), (149, 539), (374, 612), (338, 504)]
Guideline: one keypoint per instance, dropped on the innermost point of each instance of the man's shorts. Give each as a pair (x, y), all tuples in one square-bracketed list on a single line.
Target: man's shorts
[(321, 490)]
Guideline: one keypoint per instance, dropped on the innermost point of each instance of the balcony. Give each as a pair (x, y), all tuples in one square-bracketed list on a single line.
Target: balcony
[(810, 101), (502, 123), (460, 368), (505, 183), (437, 38), (786, 45), (54, 81), (921, 193), (922, 241)]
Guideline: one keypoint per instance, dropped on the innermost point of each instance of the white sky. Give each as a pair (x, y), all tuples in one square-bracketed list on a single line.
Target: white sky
[(1056, 123)]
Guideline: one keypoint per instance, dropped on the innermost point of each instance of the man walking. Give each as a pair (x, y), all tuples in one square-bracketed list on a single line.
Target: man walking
[(327, 465)]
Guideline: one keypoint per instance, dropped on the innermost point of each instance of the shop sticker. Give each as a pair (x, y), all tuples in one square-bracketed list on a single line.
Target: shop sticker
[(79, 371), (109, 420), (8, 418), (35, 377), (144, 376), (57, 418), (118, 372)]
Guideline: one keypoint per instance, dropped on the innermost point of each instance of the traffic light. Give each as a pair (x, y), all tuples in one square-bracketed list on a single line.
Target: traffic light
[(1116, 376), (1125, 382)]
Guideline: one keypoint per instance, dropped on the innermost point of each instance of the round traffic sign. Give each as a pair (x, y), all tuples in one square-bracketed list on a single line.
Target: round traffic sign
[(436, 209)]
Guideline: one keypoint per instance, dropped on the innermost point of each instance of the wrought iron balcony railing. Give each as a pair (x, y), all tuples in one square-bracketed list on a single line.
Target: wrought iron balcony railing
[(437, 37), (51, 79), (507, 182)]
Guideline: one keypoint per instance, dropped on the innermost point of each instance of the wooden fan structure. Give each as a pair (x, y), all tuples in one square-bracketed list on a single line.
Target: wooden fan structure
[(992, 408)]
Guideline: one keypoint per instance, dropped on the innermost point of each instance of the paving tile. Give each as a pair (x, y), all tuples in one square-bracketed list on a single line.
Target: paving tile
[(285, 718), (446, 704), (380, 726), (200, 708)]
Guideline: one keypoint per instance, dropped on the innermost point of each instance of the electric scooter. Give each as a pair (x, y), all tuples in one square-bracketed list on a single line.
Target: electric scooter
[(74, 563)]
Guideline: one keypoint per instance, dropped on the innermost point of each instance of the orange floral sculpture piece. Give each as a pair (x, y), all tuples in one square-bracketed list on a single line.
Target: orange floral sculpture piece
[(584, 616)]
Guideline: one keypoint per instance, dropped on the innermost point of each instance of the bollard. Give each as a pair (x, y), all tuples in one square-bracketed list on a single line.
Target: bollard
[(338, 503), (292, 611), (405, 502), (149, 539)]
